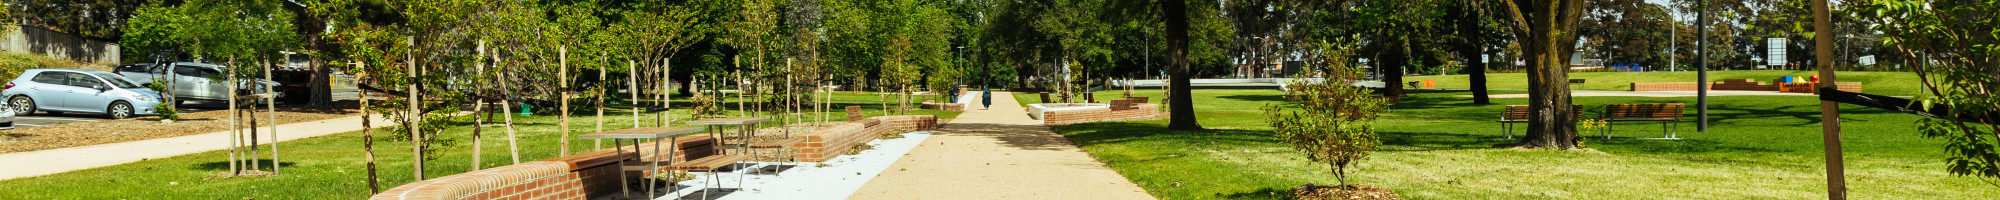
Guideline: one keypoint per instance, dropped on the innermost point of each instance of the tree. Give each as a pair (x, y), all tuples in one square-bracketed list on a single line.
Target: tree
[(1547, 31), (94, 19), (1950, 46), (1336, 125), (218, 30)]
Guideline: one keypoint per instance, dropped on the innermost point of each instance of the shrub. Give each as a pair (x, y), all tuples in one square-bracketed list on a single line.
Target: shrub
[(1334, 124)]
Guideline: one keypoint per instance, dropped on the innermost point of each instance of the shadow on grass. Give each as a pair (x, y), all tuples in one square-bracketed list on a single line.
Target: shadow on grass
[(1090, 134), (224, 165), (1263, 98), (1260, 193)]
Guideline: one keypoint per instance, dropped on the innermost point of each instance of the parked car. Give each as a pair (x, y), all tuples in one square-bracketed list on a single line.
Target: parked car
[(78, 90), (6, 116), (190, 80), (294, 84)]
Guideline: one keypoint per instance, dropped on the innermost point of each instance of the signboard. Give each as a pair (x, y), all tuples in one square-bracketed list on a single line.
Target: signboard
[(1775, 56), (1868, 60), (1483, 58)]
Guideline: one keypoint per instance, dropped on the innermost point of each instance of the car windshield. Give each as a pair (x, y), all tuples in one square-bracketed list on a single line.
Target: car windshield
[(117, 80)]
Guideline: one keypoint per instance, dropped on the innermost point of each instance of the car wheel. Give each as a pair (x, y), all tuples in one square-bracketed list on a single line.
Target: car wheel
[(23, 105), (119, 110)]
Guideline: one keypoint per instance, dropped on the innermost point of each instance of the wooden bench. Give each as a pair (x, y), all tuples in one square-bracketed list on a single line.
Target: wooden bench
[(1665, 113), (1519, 114), (1576, 82)]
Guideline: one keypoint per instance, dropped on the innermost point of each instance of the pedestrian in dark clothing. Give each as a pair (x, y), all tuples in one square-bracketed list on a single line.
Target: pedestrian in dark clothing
[(986, 97)]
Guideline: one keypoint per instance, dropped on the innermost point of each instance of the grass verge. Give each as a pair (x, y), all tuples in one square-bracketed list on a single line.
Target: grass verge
[(1436, 146)]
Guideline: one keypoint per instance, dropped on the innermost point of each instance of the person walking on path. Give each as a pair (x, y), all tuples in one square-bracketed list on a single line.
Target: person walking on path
[(986, 97)]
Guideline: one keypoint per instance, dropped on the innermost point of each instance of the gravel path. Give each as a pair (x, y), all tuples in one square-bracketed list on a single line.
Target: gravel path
[(998, 153)]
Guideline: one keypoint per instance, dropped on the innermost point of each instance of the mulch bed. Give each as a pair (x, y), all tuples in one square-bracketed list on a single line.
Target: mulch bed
[(1350, 191), (149, 127)]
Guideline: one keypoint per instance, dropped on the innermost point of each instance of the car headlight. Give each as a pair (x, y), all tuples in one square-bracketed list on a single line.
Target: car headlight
[(140, 97)]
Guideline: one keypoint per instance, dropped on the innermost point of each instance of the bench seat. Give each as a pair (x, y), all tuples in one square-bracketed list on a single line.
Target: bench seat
[(707, 163), (1665, 113)]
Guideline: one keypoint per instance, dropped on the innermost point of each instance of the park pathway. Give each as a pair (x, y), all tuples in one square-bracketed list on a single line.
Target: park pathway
[(52, 161), (998, 153)]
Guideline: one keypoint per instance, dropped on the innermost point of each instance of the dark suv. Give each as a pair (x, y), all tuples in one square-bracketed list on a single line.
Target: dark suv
[(294, 82)]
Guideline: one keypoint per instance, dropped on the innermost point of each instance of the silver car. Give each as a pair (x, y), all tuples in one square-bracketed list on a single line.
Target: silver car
[(77, 90), (190, 80), (6, 116)]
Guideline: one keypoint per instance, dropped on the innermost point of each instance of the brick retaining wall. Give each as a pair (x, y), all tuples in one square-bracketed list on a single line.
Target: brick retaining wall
[(944, 106), (587, 175), (830, 142), (1730, 84), (1136, 111), (594, 175)]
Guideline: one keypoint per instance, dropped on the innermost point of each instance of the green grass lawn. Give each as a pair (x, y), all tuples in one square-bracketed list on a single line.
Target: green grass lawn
[(1884, 83), (331, 167), (1437, 146)]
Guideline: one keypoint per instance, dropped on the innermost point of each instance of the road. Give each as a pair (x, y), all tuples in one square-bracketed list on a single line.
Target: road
[(45, 119)]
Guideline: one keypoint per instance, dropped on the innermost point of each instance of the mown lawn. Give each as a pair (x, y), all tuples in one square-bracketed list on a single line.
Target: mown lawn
[(1884, 83), (1437, 146), (331, 167)]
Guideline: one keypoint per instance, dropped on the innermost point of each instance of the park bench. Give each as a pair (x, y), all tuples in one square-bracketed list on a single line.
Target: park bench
[(1519, 114), (1665, 113), (1576, 82)]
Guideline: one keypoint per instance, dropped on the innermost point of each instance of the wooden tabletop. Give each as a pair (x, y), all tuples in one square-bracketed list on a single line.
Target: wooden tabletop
[(729, 121), (641, 133)]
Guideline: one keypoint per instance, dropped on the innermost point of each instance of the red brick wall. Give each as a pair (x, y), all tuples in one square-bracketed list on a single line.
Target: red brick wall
[(944, 106), (1138, 112), (1729, 84), (587, 175), (828, 143)]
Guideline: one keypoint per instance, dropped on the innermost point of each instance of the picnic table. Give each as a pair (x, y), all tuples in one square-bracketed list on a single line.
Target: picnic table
[(745, 128), (634, 135)]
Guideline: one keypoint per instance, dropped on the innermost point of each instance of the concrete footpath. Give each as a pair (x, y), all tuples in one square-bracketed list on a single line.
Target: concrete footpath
[(998, 153), (45, 162)]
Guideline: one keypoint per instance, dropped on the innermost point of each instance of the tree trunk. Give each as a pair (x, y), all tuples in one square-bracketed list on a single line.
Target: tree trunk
[(1182, 107), (1392, 68), (1473, 51), (367, 137), (255, 164), (479, 115), (1549, 36)]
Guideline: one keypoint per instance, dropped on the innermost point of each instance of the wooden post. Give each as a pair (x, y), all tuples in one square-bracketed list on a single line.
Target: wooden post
[(415, 117), (1836, 178), (632, 85), (271, 108), (562, 88), (513, 146), (235, 134), (602, 69)]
